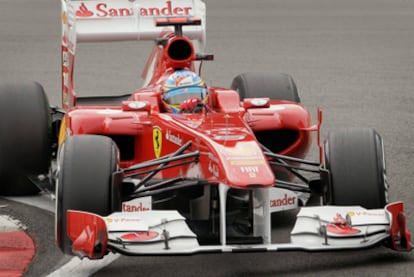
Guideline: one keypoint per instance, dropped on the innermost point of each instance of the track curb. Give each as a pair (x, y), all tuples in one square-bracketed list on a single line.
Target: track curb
[(17, 248)]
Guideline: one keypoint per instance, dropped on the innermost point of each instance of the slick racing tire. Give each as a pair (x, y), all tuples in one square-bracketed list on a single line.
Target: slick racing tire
[(355, 159), (275, 86), (85, 181), (24, 137)]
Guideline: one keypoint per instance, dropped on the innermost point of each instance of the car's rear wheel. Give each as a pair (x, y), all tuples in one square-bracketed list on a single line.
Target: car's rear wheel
[(85, 181), (355, 160), (276, 86), (24, 137), (259, 84)]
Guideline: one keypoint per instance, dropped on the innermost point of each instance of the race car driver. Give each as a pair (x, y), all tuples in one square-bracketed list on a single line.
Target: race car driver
[(184, 91)]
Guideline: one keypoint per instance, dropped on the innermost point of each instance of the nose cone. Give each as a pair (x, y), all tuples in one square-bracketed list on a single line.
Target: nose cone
[(245, 165)]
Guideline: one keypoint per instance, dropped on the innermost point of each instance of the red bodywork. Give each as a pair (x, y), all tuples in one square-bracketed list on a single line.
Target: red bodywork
[(226, 143), (224, 133)]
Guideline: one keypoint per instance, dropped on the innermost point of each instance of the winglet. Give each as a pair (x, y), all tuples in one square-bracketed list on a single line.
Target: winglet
[(400, 236), (88, 233)]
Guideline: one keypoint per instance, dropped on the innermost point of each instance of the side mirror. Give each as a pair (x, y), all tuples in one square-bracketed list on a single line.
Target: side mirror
[(136, 106), (255, 103)]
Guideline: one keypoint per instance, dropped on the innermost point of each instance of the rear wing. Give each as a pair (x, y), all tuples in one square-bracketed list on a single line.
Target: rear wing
[(116, 20), (119, 20)]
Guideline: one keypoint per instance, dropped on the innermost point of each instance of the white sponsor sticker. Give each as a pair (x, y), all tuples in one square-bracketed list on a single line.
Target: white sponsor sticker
[(281, 199), (137, 205), (118, 222)]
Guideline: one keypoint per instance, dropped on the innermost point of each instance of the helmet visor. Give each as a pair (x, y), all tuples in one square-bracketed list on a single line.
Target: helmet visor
[(178, 95)]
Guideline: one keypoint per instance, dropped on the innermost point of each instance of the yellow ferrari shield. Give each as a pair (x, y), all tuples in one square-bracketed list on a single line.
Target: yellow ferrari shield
[(157, 140)]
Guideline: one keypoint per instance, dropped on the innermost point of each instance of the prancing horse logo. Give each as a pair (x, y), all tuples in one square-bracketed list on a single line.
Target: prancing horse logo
[(157, 140)]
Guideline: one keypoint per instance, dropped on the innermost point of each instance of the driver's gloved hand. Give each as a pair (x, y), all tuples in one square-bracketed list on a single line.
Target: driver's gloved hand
[(190, 105)]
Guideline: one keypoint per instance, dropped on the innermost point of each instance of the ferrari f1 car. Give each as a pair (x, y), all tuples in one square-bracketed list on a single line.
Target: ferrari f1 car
[(135, 178)]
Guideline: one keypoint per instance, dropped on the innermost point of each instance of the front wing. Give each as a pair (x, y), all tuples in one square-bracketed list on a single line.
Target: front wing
[(167, 233)]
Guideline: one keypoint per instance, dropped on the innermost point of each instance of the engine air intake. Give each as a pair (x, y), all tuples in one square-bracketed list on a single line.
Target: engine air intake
[(179, 50)]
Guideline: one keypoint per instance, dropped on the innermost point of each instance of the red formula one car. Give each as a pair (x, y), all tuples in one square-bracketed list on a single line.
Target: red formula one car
[(140, 174)]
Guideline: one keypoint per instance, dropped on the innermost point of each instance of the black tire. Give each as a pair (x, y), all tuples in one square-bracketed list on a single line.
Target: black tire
[(85, 182), (275, 86), (355, 159), (24, 139)]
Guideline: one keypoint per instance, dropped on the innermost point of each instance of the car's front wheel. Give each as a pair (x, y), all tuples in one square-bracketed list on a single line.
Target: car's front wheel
[(85, 181), (355, 159)]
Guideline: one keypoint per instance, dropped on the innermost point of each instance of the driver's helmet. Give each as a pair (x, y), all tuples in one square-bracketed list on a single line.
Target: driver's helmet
[(180, 86)]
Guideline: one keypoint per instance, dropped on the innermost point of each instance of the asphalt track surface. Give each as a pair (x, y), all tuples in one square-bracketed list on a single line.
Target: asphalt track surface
[(353, 58)]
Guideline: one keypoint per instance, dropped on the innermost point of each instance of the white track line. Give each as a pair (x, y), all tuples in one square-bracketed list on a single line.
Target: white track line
[(9, 224), (77, 267)]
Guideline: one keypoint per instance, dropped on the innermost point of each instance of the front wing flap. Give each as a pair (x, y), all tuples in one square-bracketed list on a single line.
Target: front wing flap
[(167, 233)]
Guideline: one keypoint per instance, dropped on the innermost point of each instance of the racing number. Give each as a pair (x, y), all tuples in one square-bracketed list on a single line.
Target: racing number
[(157, 140)]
